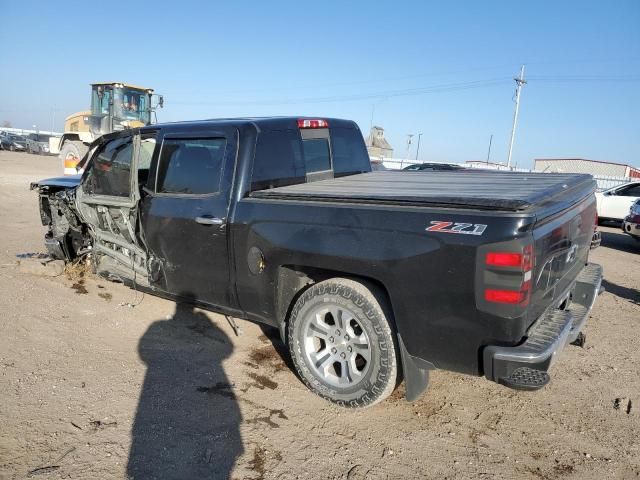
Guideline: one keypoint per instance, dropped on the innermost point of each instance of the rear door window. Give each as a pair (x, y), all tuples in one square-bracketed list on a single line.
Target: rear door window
[(190, 166), (110, 170), (278, 160)]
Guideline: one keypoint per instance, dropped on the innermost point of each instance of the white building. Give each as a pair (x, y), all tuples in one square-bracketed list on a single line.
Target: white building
[(583, 165)]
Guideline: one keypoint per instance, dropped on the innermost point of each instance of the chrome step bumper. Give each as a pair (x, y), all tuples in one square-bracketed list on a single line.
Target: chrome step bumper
[(546, 338)]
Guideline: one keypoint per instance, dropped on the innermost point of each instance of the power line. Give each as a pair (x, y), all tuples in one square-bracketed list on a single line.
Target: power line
[(584, 78), (367, 96), (307, 86), (438, 88)]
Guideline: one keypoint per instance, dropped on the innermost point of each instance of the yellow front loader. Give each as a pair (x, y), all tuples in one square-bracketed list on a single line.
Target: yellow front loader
[(114, 106)]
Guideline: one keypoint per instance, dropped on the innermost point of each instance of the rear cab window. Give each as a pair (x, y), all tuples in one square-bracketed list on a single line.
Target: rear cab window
[(316, 150)]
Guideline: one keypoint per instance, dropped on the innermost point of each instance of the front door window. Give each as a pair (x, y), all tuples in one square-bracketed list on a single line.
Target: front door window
[(110, 171)]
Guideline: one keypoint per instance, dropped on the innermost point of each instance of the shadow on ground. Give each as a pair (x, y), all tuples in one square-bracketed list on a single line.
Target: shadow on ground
[(630, 294), (188, 418), (272, 334), (620, 241)]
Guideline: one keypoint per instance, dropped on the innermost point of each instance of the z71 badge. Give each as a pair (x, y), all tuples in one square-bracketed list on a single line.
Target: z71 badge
[(462, 228)]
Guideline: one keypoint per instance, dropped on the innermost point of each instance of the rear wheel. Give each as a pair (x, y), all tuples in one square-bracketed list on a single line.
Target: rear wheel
[(342, 343)]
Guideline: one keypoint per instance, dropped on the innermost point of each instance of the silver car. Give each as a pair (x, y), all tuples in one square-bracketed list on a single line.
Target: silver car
[(38, 143)]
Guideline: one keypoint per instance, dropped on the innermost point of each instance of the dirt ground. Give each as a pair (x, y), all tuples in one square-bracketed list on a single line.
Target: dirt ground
[(99, 381)]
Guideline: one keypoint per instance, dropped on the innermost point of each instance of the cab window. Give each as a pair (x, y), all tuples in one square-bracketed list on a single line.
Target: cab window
[(110, 170), (191, 166)]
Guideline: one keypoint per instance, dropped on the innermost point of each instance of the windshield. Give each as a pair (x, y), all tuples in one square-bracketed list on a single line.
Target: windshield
[(131, 104)]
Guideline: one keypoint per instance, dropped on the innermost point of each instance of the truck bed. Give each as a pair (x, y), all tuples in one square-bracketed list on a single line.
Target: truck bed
[(478, 189)]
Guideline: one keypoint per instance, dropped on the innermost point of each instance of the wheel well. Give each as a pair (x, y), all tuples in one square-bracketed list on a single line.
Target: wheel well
[(293, 280)]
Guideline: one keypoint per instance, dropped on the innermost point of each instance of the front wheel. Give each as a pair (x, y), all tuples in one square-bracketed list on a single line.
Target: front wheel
[(71, 153), (342, 344)]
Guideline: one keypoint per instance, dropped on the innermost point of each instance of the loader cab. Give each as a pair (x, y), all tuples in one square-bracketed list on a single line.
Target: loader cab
[(117, 106)]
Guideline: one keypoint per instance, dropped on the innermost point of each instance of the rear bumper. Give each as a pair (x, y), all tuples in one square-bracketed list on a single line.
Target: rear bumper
[(546, 337)]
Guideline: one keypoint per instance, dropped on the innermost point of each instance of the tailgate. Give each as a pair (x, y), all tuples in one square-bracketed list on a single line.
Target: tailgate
[(561, 248)]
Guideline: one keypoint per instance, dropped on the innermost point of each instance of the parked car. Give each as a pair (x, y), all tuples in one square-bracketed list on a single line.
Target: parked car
[(631, 223), (4, 140), (367, 275), (433, 167), (38, 143), (12, 142), (614, 203)]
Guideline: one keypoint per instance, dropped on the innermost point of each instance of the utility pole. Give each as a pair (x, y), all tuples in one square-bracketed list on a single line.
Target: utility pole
[(373, 110), (409, 137), (519, 83), (418, 149), (489, 152)]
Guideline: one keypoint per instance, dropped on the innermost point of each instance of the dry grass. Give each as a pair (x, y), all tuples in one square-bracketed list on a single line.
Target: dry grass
[(78, 269)]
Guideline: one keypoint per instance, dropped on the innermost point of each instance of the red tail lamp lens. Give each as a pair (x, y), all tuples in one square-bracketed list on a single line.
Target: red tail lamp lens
[(502, 259), (504, 296), (316, 123)]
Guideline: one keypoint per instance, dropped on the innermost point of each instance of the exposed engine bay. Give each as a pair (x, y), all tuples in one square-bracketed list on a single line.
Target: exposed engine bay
[(106, 234)]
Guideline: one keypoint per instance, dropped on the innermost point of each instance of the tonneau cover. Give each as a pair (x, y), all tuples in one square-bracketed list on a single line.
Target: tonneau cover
[(510, 191)]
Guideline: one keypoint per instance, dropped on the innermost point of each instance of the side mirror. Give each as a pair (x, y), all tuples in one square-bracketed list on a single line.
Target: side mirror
[(161, 101)]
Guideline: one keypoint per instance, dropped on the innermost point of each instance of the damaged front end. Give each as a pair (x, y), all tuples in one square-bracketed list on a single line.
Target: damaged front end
[(67, 237), (97, 214)]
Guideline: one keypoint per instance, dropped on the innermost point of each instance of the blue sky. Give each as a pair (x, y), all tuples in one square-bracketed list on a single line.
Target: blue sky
[(444, 69)]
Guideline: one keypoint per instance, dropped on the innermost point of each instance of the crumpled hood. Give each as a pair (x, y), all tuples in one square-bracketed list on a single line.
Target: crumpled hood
[(68, 181)]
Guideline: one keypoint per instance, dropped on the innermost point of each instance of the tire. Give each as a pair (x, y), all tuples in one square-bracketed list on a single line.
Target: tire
[(329, 327), (12, 148), (73, 149)]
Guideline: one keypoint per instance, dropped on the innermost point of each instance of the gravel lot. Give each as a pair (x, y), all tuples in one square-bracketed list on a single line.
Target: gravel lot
[(92, 387)]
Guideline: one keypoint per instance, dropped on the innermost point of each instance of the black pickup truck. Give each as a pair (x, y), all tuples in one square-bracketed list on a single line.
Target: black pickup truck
[(371, 277)]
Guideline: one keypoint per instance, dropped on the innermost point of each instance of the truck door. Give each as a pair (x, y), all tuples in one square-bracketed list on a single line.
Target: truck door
[(108, 201), (184, 214)]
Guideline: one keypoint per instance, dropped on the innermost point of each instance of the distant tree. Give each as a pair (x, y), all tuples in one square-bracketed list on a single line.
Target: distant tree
[(6, 124)]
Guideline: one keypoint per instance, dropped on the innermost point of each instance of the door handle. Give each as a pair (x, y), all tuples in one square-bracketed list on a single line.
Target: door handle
[(209, 220)]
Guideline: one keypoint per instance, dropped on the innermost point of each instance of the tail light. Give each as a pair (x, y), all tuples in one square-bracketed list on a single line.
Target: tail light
[(316, 123), (504, 296), (509, 263)]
